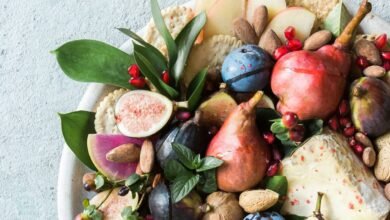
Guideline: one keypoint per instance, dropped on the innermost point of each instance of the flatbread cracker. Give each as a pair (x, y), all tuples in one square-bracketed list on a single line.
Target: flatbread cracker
[(176, 19), (211, 53), (105, 122)]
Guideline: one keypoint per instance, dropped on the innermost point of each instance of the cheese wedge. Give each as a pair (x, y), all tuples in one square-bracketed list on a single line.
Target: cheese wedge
[(326, 163)]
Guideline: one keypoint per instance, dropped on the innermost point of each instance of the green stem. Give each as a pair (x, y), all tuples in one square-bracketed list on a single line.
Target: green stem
[(108, 195)]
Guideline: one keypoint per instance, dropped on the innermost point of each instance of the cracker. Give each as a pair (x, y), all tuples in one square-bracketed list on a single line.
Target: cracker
[(105, 122), (211, 53), (175, 18)]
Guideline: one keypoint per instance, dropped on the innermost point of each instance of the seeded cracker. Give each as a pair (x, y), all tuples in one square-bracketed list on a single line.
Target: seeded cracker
[(175, 18), (105, 114), (210, 53)]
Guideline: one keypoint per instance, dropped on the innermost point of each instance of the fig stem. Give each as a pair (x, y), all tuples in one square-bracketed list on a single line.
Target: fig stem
[(358, 92), (255, 99), (178, 105), (343, 41), (317, 212)]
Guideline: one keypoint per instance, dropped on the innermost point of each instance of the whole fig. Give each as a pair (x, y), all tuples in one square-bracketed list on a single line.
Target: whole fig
[(370, 105)]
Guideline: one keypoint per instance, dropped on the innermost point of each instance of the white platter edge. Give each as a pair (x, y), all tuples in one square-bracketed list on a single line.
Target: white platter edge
[(69, 187)]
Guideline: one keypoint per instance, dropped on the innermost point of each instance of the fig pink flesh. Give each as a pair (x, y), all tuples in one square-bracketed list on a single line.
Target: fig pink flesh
[(100, 144)]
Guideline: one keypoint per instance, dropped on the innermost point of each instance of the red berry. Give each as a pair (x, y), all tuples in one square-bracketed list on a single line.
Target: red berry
[(134, 71), (358, 148), (343, 108), (279, 52), (273, 169), (269, 137), (386, 65), (380, 41), (165, 77), (138, 82), (290, 119), (297, 133), (386, 55), (294, 45), (345, 122), (289, 33), (362, 62), (183, 115), (352, 141), (349, 131), (334, 123)]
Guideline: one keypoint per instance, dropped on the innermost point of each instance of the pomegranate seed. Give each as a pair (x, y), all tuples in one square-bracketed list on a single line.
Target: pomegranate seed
[(297, 133), (289, 33), (294, 45), (183, 115), (138, 82), (276, 154), (349, 131), (380, 41), (273, 169), (269, 137), (279, 52), (358, 148), (362, 62), (352, 141), (344, 108), (134, 71), (334, 123), (386, 65), (289, 119), (165, 77), (345, 122), (386, 55)]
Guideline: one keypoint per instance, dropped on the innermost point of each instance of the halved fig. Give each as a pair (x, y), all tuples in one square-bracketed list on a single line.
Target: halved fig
[(141, 113), (98, 147)]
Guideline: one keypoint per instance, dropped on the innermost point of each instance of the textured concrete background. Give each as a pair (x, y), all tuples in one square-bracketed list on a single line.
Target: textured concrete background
[(33, 89)]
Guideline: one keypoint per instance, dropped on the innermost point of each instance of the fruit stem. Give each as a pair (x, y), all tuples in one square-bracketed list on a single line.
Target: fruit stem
[(255, 99), (178, 105), (343, 41), (205, 208), (197, 116), (358, 92), (108, 195), (317, 212)]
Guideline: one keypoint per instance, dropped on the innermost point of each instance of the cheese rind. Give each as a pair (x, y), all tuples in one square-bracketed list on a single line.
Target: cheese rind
[(326, 163)]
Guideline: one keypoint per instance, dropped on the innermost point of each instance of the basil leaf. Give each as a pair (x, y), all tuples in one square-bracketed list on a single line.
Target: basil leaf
[(294, 217), (184, 41), (195, 90), (173, 169), (182, 186), (132, 179), (185, 155), (95, 61), (210, 182), (164, 32), (149, 51), (313, 127), (76, 126), (99, 181), (337, 19), (209, 163), (148, 70)]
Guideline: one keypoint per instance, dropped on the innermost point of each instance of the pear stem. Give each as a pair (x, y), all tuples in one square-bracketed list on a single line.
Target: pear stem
[(255, 99), (343, 41), (317, 212)]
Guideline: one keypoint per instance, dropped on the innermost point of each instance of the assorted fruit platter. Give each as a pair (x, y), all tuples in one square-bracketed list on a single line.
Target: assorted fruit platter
[(236, 109)]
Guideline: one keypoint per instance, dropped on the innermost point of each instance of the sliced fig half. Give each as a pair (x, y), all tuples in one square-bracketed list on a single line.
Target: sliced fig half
[(141, 113), (98, 147)]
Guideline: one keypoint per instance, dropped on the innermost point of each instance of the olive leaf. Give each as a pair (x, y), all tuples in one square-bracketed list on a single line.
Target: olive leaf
[(185, 41), (95, 61), (132, 179), (164, 32), (337, 19), (209, 163), (185, 155), (182, 186), (195, 90), (76, 126)]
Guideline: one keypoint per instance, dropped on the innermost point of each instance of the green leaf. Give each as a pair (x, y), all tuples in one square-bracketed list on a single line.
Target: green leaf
[(95, 61), (278, 128), (283, 136), (99, 181), (164, 32), (132, 179), (185, 41), (337, 19), (209, 163), (209, 182), (173, 169), (313, 127), (76, 126), (128, 214), (185, 155), (182, 186), (277, 184), (294, 217), (148, 70), (149, 51), (197, 161), (195, 90)]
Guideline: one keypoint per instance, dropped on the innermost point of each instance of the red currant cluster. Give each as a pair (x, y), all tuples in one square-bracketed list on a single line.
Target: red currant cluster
[(380, 43), (296, 131), (292, 44), (139, 81)]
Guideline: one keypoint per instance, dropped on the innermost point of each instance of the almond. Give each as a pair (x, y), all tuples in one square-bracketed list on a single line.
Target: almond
[(125, 153), (269, 41), (369, 156), (258, 200), (387, 191), (244, 31), (260, 20), (317, 40), (368, 50), (374, 71), (146, 160), (363, 139)]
